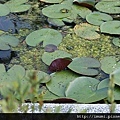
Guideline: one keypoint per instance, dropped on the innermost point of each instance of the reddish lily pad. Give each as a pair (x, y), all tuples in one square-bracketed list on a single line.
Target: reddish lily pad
[(59, 64)]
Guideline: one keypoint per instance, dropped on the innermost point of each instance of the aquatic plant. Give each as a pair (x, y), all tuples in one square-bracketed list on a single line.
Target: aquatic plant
[(77, 52)]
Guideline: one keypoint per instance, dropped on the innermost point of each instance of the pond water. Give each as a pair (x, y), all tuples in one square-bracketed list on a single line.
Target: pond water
[(78, 34)]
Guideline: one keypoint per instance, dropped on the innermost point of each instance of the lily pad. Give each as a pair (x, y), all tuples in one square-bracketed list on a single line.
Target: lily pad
[(2, 69), (14, 74), (87, 31), (116, 76), (85, 66), (59, 64), (18, 5), (51, 1), (111, 27), (57, 11), (17, 72), (59, 82), (105, 84), (55, 22), (47, 58), (4, 10), (111, 7), (84, 90), (109, 64), (8, 40), (116, 42), (86, 3), (47, 35), (50, 48), (97, 18), (46, 95), (41, 76), (80, 10), (6, 24)]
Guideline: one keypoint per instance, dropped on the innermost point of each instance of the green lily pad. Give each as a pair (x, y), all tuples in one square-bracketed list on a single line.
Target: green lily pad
[(18, 5), (116, 42), (7, 40), (46, 95), (11, 77), (111, 27), (47, 35), (105, 84), (55, 22), (109, 64), (112, 7), (80, 10), (85, 66), (51, 1), (47, 58), (97, 18), (84, 90), (87, 31), (116, 75), (4, 10), (17, 72), (2, 69), (59, 82), (68, 20), (57, 11), (41, 76)]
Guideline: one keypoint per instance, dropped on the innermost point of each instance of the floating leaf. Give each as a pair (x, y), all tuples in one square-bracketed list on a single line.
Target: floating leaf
[(55, 22), (86, 3), (2, 69), (116, 42), (87, 31), (4, 10), (17, 5), (116, 76), (59, 64), (8, 40), (57, 11), (97, 18), (40, 77), (50, 48), (83, 90), (105, 83), (10, 77), (51, 1), (6, 24), (109, 64), (47, 35), (46, 95), (112, 7), (111, 27), (85, 66), (17, 72), (47, 58), (79, 10), (59, 82)]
